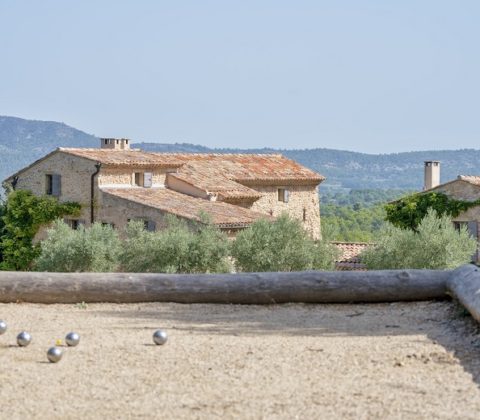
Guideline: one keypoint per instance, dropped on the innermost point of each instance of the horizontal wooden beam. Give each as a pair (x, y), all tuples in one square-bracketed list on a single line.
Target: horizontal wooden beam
[(242, 288)]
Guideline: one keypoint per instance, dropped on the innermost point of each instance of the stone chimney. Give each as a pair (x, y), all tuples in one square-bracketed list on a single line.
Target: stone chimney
[(115, 144), (432, 174)]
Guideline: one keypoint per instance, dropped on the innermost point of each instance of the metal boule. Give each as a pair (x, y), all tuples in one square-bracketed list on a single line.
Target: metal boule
[(72, 339), (24, 339), (160, 337), (54, 354)]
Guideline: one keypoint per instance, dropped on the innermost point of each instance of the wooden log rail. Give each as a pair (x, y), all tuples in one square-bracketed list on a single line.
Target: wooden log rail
[(464, 284), (241, 288)]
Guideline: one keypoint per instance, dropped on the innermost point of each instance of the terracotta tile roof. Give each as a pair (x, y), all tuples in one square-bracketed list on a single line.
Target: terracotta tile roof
[(247, 168), (213, 180), (123, 157), (223, 214), (210, 170), (349, 258)]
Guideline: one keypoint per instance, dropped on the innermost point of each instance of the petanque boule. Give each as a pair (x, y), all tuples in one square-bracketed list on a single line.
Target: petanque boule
[(24, 339), (54, 354), (72, 339), (159, 337), (3, 327)]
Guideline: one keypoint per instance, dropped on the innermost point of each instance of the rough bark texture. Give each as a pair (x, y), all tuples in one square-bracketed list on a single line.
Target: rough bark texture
[(464, 284), (243, 288)]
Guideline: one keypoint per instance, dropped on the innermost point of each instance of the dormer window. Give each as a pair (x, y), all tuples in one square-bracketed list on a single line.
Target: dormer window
[(143, 179)]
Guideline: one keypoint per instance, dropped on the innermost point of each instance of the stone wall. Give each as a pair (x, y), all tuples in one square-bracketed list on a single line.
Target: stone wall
[(301, 198), (116, 210), (186, 188), (124, 177), (460, 190), (75, 179)]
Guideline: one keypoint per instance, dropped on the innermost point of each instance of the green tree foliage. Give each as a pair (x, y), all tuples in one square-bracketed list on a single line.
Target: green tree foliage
[(94, 249), (2, 227), (348, 224), (434, 245), (281, 245), (179, 248), (361, 198), (408, 212), (23, 214)]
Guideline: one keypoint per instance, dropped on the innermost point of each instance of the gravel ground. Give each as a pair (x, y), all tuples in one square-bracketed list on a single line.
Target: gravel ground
[(401, 360)]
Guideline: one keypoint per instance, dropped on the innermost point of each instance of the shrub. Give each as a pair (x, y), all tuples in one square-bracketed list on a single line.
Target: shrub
[(435, 245), (95, 249), (23, 214), (281, 245), (179, 248)]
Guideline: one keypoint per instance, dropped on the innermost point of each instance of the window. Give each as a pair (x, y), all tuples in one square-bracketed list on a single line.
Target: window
[(149, 225), (143, 179), (53, 185), (471, 226), (459, 225), (304, 214), (74, 223), (283, 195), (138, 179), (108, 224)]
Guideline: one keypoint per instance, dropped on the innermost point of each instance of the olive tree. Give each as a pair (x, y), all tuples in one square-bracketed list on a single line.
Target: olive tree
[(436, 244), (280, 245), (94, 249), (179, 248)]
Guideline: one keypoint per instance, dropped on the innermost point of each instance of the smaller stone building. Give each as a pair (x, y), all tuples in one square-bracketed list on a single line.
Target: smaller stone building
[(465, 188), (115, 184)]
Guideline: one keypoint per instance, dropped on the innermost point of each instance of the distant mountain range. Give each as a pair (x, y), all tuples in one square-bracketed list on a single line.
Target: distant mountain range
[(23, 141)]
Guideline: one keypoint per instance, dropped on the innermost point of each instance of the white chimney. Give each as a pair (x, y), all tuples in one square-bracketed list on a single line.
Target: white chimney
[(432, 174), (116, 144)]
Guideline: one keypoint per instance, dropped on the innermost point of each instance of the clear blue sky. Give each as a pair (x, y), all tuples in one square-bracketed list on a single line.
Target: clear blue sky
[(364, 75)]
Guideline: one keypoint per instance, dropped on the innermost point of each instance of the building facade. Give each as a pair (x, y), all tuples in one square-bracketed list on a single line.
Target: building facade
[(115, 184)]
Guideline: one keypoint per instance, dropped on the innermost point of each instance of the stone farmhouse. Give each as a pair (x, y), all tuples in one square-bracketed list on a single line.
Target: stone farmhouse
[(115, 184)]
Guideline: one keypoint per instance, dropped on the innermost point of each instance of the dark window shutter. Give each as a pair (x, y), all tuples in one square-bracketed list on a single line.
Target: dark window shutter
[(151, 225), (473, 229), (147, 179), (56, 185)]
